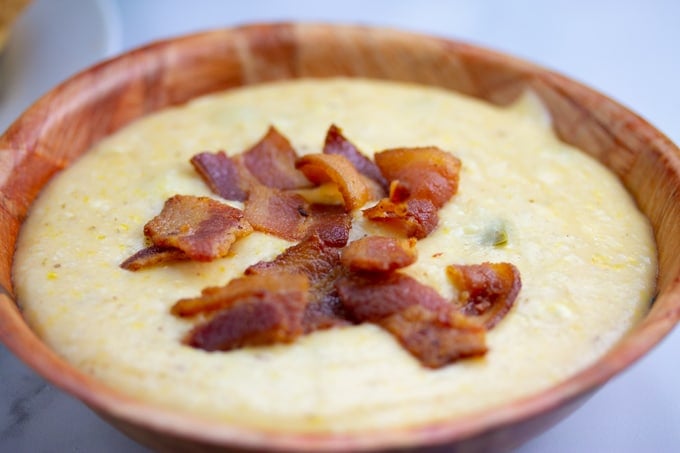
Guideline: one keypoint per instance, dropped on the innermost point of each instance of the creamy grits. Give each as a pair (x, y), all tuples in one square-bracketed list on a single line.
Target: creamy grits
[(585, 253)]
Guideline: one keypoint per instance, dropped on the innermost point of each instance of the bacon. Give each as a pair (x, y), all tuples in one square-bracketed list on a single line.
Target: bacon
[(336, 143), (379, 254), (250, 286), (487, 291), (283, 214), (429, 173), (413, 218), (152, 256), (256, 319), (320, 262), (222, 174), (331, 223), (287, 215), (320, 168), (272, 162), (372, 298), (436, 339), (201, 227)]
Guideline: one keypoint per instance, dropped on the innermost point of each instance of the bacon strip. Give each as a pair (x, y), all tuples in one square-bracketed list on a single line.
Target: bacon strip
[(272, 162), (375, 297), (429, 173), (251, 286), (320, 168), (273, 211), (221, 174), (320, 262), (436, 339), (152, 256), (487, 291), (261, 318), (201, 227), (379, 254), (415, 218), (331, 223), (336, 143), (428, 326)]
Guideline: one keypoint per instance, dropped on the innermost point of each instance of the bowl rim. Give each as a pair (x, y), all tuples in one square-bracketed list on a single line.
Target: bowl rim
[(25, 344)]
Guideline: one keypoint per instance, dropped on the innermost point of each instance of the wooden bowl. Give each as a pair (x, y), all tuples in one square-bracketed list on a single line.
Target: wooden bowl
[(69, 119)]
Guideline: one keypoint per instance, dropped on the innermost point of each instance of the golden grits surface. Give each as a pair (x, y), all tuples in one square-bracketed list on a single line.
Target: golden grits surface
[(586, 257)]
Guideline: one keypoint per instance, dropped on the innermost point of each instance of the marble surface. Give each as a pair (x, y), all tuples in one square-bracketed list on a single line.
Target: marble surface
[(627, 49)]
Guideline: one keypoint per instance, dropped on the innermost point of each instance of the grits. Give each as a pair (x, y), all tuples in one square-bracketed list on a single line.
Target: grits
[(586, 256)]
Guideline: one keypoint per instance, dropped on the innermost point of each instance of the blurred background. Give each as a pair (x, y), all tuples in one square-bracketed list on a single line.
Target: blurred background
[(626, 49)]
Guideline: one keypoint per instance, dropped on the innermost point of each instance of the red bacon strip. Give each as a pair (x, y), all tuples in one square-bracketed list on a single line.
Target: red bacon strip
[(272, 162), (436, 339), (273, 211), (487, 291), (429, 173), (320, 168), (416, 315), (320, 262), (379, 254), (263, 317), (201, 227), (336, 143), (415, 218), (257, 286), (374, 297), (224, 176), (152, 256)]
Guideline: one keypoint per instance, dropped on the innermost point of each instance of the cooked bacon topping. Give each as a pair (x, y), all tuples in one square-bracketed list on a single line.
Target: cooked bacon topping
[(429, 173), (320, 262), (201, 227), (152, 256), (320, 282), (320, 168), (222, 174), (486, 291), (255, 319), (436, 339), (250, 286), (272, 162), (311, 257), (336, 143), (370, 298), (281, 213), (415, 218), (379, 254)]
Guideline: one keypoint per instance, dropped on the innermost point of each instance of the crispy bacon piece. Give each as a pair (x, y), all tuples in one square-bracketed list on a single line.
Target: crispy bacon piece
[(320, 168), (331, 223), (436, 339), (201, 227), (336, 143), (429, 173), (272, 162), (412, 218), (222, 174), (287, 215), (379, 254), (374, 297), (152, 256), (320, 262), (281, 213), (253, 286), (258, 317), (487, 291)]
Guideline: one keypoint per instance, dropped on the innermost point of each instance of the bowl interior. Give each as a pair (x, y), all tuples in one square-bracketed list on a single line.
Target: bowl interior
[(69, 119)]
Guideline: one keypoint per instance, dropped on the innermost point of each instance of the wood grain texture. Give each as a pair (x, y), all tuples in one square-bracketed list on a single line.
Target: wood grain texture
[(73, 116)]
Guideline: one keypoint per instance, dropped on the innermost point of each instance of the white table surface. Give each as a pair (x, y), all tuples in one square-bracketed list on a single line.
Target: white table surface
[(627, 49)]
